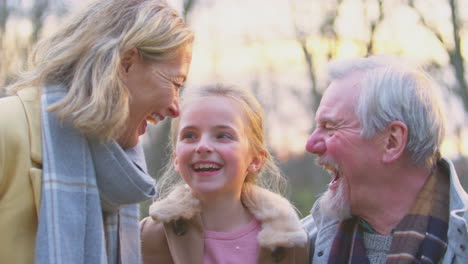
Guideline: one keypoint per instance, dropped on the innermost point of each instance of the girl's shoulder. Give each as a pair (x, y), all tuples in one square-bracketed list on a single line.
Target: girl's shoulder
[(154, 245), (280, 222), (180, 203), (260, 199)]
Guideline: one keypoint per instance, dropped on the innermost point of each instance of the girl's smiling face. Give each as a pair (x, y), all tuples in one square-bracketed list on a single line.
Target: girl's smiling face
[(212, 151)]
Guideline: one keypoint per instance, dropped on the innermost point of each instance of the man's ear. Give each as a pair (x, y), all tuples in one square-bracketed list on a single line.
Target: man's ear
[(257, 163), (128, 59), (396, 139)]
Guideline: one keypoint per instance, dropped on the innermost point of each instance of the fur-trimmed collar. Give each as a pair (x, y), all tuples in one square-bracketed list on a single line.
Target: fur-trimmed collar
[(280, 223)]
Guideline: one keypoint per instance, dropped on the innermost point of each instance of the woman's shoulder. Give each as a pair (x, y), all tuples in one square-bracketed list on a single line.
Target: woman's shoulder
[(16, 121)]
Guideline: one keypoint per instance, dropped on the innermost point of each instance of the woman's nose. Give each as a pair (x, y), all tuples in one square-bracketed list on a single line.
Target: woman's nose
[(174, 109), (316, 144)]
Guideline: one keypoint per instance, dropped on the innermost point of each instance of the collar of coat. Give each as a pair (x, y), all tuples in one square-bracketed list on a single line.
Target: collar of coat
[(280, 223)]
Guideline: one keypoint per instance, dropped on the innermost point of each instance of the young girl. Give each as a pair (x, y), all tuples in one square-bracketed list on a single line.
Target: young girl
[(222, 210)]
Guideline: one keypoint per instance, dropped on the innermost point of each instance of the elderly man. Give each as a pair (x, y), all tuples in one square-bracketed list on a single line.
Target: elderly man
[(392, 198)]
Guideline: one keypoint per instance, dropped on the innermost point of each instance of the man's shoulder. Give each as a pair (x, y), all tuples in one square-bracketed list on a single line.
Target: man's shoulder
[(309, 224), (458, 195)]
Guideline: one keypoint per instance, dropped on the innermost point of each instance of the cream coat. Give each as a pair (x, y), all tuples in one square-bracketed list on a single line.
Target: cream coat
[(20, 175), (174, 232)]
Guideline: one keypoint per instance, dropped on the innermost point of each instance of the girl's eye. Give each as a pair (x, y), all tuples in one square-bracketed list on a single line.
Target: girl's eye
[(224, 136), (187, 136)]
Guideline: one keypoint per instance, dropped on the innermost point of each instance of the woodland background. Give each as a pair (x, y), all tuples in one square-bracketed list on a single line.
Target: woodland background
[(279, 50)]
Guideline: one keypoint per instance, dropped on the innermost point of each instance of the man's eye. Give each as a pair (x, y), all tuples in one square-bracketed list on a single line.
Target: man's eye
[(328, 126)]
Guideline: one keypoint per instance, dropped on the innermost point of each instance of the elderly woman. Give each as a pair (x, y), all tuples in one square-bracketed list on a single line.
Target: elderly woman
[(71, 169)]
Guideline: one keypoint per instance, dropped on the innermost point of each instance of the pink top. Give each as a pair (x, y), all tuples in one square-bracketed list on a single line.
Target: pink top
[(239, 247)]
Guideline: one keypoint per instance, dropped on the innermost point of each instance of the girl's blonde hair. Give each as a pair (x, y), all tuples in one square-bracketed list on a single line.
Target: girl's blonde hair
[(85, 54), (269, 176)]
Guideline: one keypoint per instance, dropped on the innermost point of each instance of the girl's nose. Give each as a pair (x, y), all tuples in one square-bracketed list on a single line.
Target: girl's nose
[(204, 146)]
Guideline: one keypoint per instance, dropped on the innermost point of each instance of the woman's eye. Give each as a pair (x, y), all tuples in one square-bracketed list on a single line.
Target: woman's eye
[(178, 86)]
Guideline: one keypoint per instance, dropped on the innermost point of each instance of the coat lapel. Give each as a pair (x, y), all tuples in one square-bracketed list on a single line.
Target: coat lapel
[(31, 102), (185, 240)]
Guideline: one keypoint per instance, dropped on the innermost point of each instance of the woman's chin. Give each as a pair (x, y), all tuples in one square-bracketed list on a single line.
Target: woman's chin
[(142, 128), (129, 141)]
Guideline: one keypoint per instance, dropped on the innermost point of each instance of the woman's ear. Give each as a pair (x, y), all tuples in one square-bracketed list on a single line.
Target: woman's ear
[(395, 141), (128, 59), (257, 163)]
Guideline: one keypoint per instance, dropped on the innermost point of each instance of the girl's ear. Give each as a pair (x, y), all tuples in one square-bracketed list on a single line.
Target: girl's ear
[(257, 163), (175, 161), (128, 59), (395, 141)]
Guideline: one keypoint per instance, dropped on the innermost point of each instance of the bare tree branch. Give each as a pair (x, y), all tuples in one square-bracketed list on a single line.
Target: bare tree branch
[(301, 38), (431, 28), (188, 5), (373, 28), (4, 13), (456, 57), (327, 30), (455, 54), (37, 18)]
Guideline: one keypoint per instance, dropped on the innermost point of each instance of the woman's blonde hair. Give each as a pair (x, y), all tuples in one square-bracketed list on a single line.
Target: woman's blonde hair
[(269, 176), (85, 54)]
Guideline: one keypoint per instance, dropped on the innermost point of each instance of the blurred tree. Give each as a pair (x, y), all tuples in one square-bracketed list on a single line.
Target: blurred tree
[(308, 38), (16, 41), (453, 47), (373, 23)]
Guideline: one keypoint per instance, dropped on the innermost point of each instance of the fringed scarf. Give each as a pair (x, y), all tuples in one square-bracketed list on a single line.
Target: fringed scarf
[(420, 237), (90, 190)]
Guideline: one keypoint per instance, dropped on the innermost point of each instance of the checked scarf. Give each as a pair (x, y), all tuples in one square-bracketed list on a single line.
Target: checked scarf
[(90, 194), (420, 237)]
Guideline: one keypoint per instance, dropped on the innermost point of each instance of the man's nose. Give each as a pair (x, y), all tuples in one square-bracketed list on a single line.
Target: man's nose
[(316, 144)]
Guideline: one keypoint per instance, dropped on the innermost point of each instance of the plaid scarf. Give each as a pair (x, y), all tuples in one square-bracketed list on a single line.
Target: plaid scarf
[(420, 237), (90, 190)]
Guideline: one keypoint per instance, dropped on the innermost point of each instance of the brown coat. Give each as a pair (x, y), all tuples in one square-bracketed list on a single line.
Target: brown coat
[(174, 231)]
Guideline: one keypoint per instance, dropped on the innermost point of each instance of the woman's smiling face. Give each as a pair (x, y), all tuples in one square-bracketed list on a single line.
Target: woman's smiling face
[(154, 91)]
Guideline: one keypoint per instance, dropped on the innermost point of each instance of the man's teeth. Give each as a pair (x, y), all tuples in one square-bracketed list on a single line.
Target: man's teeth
[(334, 173)]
